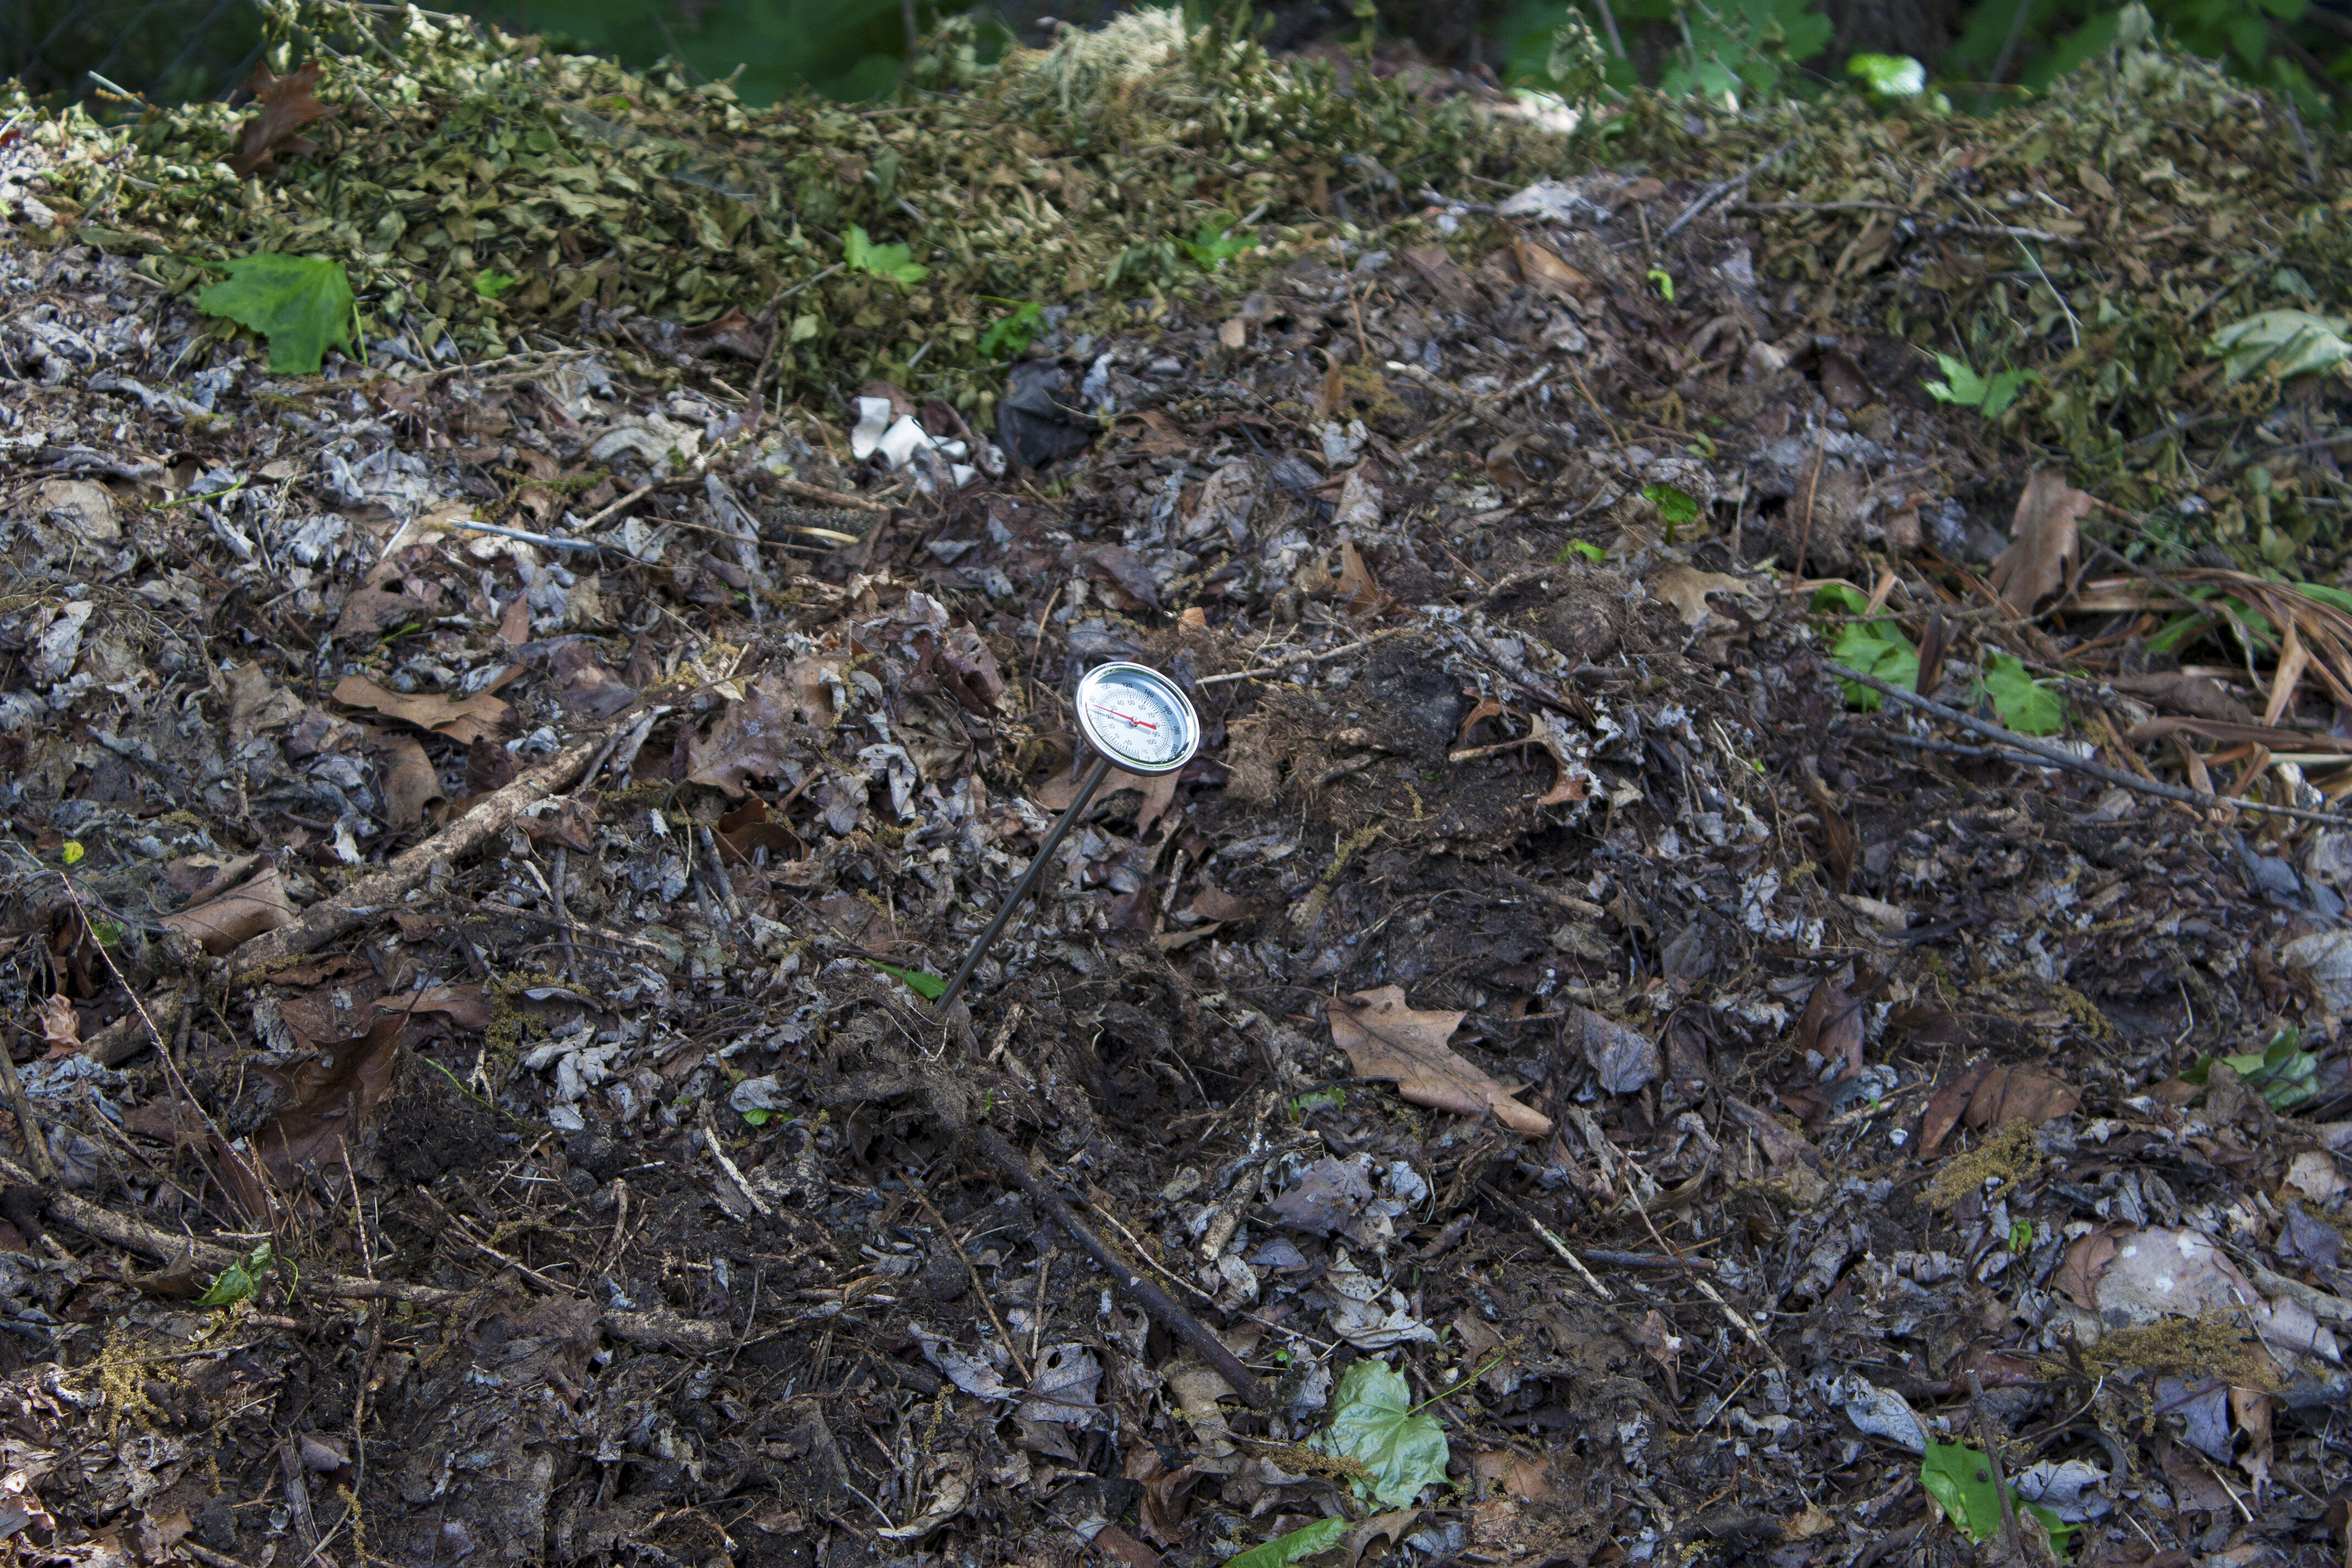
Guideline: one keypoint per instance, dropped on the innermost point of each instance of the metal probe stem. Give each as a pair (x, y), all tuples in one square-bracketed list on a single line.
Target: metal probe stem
[(979, 946)]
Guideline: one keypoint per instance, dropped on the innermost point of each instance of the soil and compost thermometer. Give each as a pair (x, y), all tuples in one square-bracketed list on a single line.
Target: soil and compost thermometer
[(1136, 719)]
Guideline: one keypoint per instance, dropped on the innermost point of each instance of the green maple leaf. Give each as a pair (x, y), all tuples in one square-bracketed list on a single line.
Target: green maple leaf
[(1374, 1422), (302, 305)]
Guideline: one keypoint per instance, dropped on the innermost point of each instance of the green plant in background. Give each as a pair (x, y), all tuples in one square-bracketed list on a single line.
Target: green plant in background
[(1990, 396), (1876, 649), (1960, 1480), (893, 263), (1216, 243), (1009, 337), (2288, 45), (1732, 52), (2285, 1073)]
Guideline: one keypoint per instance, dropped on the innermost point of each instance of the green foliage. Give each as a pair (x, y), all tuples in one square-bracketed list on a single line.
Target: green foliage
[(1990, 396), (1216, 243), (894, 263), (1009, 337), (1581, 549), (2274, 43), (1300, 1104), (1284, 1550), (1960, 1480), (844, 48), (928, 986), (1887, 76), (2285, 1073), (1874, 647), (1374, 1423), (490, 285), (1730, 52), (239, 1280), (2285, 342), (1664, 283), (2023, 703), (759, 1118), (300, 304), (1679, 508)]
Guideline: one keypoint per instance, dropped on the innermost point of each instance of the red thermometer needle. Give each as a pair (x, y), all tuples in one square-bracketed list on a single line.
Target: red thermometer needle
[(1139, 723)]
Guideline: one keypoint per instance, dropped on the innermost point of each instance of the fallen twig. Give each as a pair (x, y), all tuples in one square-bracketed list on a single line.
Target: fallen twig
[(1144, 1292), (1287, 660), (2057, 757), (105, 1224), (329, 919)]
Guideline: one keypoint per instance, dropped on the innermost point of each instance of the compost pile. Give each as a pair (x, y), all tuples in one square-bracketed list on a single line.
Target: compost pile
[(1576, 1077)]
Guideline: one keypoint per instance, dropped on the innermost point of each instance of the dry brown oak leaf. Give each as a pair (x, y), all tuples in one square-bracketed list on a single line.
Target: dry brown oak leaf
[(1385, 1038)]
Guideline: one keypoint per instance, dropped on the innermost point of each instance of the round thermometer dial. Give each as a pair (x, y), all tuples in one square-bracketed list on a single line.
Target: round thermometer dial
[(1138, 717)]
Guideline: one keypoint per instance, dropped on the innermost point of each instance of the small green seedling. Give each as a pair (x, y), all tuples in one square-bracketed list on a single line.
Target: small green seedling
[(1009, 337), (2021, 1238), (1678, 508), (1874, 647), (892, 263), (239, 1280), (1664, 281), (2285, 1073), (927, 985), (1579, 550), (1284, 1550), (490, 285), (2026, 705), (1990, 396), (1216, 243)]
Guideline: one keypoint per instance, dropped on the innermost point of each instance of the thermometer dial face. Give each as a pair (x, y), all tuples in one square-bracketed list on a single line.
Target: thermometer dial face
[(1138, 717)]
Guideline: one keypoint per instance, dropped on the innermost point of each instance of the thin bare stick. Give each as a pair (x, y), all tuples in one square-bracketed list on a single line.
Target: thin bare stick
[(1143, 1292), (1004, 1335), (2055, 757), (370, 896), (1287, 660), (37, 1151)]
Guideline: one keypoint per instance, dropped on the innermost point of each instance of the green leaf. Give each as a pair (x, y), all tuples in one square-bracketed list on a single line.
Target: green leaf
[(1840, 598), (2023, 703), (2291, 342), (1961, 384), (1216, 243), (300, 304), (1374, 1423), (922, 983), (1012, 335), (1888, 76), (2002, 389), (1585, 548), (1660, 279), (893, 263), (1960, 1480), (1880, 649), (1285, 1549), (2285, 1073), (71, 852), (490, 285), (238, 1281), (758, 1117), (1677, 507)]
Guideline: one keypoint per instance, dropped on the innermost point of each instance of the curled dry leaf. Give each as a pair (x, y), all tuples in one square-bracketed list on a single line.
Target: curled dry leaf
[(2042, 542), (60, 1025), (259, 904), (1687, 588), (411, 785), (1385, 1038), (286, 104), (750, 739), (1625, 1058), (2020, 1094), (332, 1097), (477, 718)]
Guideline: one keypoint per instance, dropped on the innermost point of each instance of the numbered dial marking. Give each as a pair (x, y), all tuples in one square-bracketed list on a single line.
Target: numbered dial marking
[(1138, 717)]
